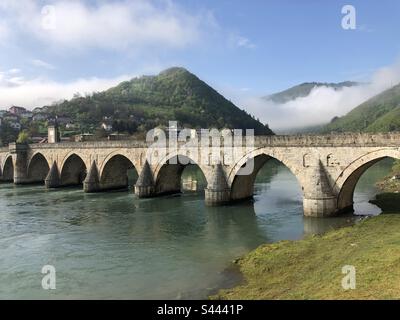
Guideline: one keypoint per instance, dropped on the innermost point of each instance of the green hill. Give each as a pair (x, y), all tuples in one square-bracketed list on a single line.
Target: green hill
[(378, 114), (150, 101), (304, 89)]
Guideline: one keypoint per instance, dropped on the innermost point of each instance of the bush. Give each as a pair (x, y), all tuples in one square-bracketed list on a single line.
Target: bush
[(23, 137)]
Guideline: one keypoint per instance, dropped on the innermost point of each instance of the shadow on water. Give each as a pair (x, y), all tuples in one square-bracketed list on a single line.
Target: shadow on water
[(319, 226)]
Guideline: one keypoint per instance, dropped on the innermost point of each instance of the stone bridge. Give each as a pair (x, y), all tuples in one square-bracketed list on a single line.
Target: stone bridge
[(327, 167)]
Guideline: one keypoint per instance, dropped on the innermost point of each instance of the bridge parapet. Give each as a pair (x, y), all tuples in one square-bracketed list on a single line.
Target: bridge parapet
[(91, 145), (331, 140), (326, 140)]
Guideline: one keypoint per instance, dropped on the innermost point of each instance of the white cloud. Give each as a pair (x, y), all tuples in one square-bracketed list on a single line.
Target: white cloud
[(321, 105), (14, 71), (10, 78), (240, 42), (16, 81), (117, 25), (244, 42), (39, 92), (16, 88)]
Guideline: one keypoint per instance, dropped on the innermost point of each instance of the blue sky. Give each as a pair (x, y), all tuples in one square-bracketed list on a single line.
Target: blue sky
[(297, 41), (50, 49)]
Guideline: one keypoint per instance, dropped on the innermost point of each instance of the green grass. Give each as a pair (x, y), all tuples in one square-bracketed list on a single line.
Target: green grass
[(311, 268)]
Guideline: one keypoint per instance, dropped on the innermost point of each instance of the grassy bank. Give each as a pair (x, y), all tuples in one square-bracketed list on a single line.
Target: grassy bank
[(311, 268)]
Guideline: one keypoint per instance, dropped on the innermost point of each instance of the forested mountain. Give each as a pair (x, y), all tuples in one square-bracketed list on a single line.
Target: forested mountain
[(378, 114), (149, 101)]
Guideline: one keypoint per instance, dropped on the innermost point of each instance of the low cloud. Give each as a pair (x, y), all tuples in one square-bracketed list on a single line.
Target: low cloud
[(39, 92), (321, 105)]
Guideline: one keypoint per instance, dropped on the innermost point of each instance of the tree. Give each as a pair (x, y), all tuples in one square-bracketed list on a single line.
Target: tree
[(23, 137), (100, 133), (7, 133)]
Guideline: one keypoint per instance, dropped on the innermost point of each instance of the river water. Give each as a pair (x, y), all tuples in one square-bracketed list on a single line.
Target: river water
[(114, 246)]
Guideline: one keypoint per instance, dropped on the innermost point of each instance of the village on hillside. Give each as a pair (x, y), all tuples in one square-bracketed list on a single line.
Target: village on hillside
[(33, 124)]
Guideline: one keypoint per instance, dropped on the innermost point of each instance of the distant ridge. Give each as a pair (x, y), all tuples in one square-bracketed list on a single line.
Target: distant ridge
[(304, 89)]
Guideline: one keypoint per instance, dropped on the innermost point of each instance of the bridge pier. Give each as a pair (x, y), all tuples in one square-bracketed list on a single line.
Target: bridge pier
[(19, 153), (323, 207), (144, 187), (91, 182), (217, 191), (52, 179), (319, 199)]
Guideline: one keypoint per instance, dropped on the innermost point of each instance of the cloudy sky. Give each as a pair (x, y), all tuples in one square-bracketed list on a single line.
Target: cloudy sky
[(245, 49)]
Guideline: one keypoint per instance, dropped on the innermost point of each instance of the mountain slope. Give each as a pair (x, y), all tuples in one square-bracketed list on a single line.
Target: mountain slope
[(174, 94), (304, 89), (378, 114)]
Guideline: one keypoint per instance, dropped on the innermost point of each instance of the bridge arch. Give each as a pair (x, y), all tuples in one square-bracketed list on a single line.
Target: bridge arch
[(73, 171), (115, 171), (8, 169), (347, 180), (242, 183), (169, 171), (38, 168)]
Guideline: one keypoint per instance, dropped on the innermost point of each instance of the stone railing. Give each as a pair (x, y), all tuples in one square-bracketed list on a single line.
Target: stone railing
[(328, 140), (331, 140), (4, 149)]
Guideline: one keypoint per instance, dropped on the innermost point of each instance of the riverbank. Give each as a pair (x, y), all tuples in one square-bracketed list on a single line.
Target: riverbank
[(312, 268)]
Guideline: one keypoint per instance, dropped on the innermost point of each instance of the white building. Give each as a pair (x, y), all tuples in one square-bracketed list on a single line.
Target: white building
[(106, 126), (26, 115), (39, 116), (71, 126)]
